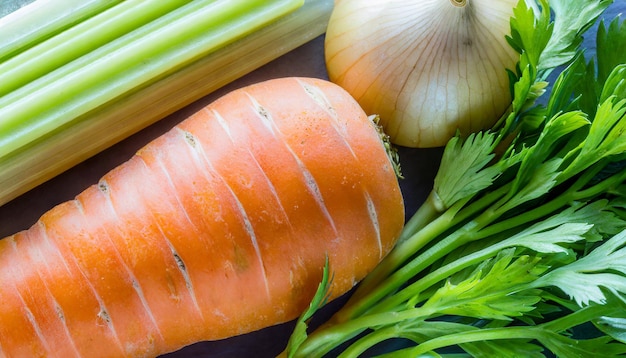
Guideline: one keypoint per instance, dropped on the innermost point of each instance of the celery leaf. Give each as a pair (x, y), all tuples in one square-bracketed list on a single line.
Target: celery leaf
[(503, 348), (532, 185), (564, 346), (613, 326), (491, 292), (565, 95), (585, 280), (607, 137), (320, 298), (611, 47), (463, 170), (530, 32), (571, 19)]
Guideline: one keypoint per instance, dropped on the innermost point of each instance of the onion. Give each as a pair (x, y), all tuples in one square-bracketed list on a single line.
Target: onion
[(428, 68)]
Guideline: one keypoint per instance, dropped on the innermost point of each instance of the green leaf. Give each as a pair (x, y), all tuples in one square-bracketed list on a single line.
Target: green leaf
[(494, 291), (571, 19), (540, 167), (577, 222), (522, 89), (613, 323), (613, 326), (588, 90), (615, 84), (503, 348), (548, 241), (530, 32), (610, 55), (299, 334), (463, 171), (610, 47), (566, 87), (563, 346), (607, 137), (557, 128), (585, 279), (533, 182)]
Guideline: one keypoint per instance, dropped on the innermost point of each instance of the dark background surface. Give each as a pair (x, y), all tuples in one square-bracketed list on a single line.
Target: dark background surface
[(419, 168)]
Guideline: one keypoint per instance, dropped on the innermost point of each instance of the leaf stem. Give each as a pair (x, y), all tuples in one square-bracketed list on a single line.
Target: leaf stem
[(426, 213), (385, 279), (329, 335)]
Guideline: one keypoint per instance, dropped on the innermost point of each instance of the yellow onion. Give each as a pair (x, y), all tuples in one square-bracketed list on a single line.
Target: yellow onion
[(427, 67)]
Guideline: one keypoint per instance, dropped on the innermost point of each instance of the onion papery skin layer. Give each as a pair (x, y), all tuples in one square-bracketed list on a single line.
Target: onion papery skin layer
[(428, 68)]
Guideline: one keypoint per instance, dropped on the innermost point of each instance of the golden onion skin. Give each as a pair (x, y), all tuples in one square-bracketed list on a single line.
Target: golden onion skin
[(429, 68)]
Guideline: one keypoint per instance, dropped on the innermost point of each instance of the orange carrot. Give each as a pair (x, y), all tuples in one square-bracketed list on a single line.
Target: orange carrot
[(217, 228)]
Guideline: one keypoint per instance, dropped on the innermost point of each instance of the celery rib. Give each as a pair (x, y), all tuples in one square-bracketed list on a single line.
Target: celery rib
[(265, 30), (79, 40), (43, 19), (121, 66)]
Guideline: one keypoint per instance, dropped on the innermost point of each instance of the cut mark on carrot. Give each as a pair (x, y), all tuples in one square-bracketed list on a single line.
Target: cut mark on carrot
[(144, 302), (309, 179), (103, 186), (104, 315), (318, 96), (59, 312), (84, 275), (189, 137), (181, 266), (244, 216), (179, 262), (262, 111), (17, 271), (221, 121), (373, 214), (36, 255), (321, 100), (263, 114), (253, 238), (134, 282), (33, 322)]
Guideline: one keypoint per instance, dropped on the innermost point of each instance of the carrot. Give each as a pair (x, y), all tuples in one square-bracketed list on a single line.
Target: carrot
[(217, 228)]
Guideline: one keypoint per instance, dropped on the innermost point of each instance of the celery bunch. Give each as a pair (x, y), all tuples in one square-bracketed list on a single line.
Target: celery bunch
[(522, 241), (77, 77)]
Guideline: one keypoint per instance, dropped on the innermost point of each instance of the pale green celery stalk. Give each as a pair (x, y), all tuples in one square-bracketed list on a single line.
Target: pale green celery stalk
[(42, 19), (94, 128), (79, 40), (128, 63)]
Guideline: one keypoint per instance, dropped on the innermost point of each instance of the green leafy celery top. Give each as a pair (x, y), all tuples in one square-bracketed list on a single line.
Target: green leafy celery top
[(524, 242)]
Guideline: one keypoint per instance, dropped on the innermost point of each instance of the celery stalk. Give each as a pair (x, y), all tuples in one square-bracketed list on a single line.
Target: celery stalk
[(79, 40), (87, 117), (123, 65), (42, 19)]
